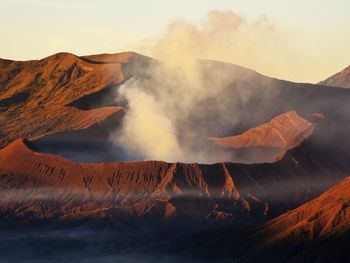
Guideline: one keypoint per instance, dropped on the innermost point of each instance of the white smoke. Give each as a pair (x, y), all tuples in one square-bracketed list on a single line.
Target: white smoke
[(147, 131), (158, 106)]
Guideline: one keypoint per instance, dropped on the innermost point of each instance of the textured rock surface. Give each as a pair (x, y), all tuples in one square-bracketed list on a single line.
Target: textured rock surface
[(35, 95), (317, 231), (46, 186), (37, 185), (65, 101)]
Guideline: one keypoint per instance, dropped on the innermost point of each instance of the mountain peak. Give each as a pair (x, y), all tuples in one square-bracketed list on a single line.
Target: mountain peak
[(340, 79)]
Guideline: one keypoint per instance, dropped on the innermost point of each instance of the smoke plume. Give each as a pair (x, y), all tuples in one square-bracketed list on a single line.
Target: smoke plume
[(165, 117)]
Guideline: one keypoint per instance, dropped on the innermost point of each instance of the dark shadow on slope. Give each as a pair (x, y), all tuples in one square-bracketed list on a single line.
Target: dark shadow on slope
[(104, 98), (225, 244), (91, 61), (136, 67), (91, 145), (15, 99)]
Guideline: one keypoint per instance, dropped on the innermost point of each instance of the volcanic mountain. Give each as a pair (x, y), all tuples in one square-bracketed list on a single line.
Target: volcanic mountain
[(69, 105), (270, 146), (341, 79)]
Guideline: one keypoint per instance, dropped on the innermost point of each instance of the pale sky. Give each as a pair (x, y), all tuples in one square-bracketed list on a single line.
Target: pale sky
[(317, 31)]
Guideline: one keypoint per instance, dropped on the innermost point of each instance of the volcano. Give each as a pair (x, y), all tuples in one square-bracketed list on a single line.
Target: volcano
[(263, 150)]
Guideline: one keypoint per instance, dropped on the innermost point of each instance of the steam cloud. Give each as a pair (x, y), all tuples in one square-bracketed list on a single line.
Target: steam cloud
[(161, 105), (147, 130)]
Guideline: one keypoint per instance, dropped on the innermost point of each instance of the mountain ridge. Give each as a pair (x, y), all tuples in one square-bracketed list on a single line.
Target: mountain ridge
[(340, 79)]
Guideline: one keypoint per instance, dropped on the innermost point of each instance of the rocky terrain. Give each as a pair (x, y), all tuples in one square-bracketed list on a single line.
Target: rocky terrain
[(46, 186), (314, 232), (272, 146)]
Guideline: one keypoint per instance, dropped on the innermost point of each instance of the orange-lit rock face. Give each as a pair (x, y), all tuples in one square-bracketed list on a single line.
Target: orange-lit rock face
[(43, 99), (324, 216), (38, 98), (37, 185), (282, 133), (34, 95), (47, 186), (341, 79), (318, 229)]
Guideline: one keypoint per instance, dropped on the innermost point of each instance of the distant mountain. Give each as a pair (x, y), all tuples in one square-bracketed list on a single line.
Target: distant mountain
[(68, 105), (273, 139), (341, 79)]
